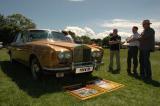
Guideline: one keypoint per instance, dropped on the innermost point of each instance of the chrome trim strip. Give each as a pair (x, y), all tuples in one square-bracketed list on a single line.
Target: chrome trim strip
[(66, 68), (83, 66), (57, 69), (83, 63)]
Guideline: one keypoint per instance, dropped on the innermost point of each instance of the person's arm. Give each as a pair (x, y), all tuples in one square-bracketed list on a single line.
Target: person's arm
[(147, 35), (113, 42), (132, 39), (129, 39), (118, 41)]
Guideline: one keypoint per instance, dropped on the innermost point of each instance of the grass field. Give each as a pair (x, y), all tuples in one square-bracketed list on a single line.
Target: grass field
[(17, 88)]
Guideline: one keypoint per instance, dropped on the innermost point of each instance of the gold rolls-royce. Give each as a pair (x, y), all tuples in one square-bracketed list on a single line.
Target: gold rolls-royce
[(48, 51)]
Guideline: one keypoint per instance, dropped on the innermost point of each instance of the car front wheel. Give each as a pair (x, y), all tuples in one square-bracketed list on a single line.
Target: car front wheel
[(35, 69)]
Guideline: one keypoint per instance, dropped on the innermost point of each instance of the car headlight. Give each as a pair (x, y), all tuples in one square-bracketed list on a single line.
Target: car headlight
[(64, 55), (61, 55), (67, 55), (93, 54), (96, 54)]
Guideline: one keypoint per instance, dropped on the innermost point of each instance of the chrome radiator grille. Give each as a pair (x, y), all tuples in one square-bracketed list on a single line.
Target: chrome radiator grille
[(81, 54)]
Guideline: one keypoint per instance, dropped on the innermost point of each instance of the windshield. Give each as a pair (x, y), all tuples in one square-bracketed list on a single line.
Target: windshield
[(58, 36), (38, 34), (42, 34)]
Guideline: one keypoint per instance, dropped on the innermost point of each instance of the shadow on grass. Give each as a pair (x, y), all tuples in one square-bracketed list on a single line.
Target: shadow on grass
[(21, 75), (151, 82)]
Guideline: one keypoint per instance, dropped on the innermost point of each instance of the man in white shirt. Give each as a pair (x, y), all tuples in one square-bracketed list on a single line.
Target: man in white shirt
[(68, 36), (133, 51), (71, 36)]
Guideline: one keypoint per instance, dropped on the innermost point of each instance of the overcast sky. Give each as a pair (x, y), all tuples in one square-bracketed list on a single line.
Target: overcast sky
[(96, 18)]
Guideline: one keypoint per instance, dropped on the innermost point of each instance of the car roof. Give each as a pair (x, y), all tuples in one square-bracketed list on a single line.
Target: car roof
[(44, 30), (39, 30)]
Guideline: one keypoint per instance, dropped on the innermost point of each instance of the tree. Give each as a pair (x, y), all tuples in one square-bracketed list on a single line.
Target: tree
[(20, 22), (2, 20), (86, 39), (105, 41), (12, 24)]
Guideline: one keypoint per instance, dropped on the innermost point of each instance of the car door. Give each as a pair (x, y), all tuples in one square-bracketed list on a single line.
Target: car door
[(19, 47), (24, 48), (15, 47)]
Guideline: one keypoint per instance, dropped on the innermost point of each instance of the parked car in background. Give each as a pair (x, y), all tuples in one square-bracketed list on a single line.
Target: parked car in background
[(47, 51)]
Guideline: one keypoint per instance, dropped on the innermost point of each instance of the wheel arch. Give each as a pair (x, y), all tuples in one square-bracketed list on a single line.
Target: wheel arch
[(32, 56)]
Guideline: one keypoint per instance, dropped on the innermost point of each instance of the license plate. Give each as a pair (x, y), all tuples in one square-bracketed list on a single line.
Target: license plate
[(84, 69), (59, 75)]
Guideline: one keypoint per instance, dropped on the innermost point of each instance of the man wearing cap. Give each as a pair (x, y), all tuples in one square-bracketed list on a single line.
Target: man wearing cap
[(147, 43)]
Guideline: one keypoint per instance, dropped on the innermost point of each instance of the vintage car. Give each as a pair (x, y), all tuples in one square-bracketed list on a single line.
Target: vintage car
[(48, 51)]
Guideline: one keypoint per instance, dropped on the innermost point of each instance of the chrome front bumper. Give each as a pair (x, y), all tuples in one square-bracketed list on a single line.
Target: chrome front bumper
[(73, 67)]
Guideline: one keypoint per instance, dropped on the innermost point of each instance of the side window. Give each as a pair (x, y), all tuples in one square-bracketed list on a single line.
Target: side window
[(25, 37), (19, 38), (22, 38)]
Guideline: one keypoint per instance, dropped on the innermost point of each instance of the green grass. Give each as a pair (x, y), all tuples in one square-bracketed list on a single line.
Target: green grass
[(17, 88)]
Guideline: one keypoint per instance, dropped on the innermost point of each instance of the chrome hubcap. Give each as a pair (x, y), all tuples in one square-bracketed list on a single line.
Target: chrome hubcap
[(35, 70)]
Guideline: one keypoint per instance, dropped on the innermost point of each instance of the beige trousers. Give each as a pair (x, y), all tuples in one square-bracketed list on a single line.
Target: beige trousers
[(112, 54)]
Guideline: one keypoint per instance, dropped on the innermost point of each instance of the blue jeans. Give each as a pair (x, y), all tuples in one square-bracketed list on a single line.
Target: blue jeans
[(145, 65)]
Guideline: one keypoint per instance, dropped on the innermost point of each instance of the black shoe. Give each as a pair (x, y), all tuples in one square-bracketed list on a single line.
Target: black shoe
[(148, 80), (135, 73), (142, 77)]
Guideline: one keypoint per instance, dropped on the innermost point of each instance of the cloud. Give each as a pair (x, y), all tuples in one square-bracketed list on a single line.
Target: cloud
[(120, 23), (124, 26), (89, 31), (76, 0), (86, 31)]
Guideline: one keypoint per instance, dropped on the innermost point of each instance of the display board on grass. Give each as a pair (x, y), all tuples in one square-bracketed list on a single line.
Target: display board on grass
[(92, 88)]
